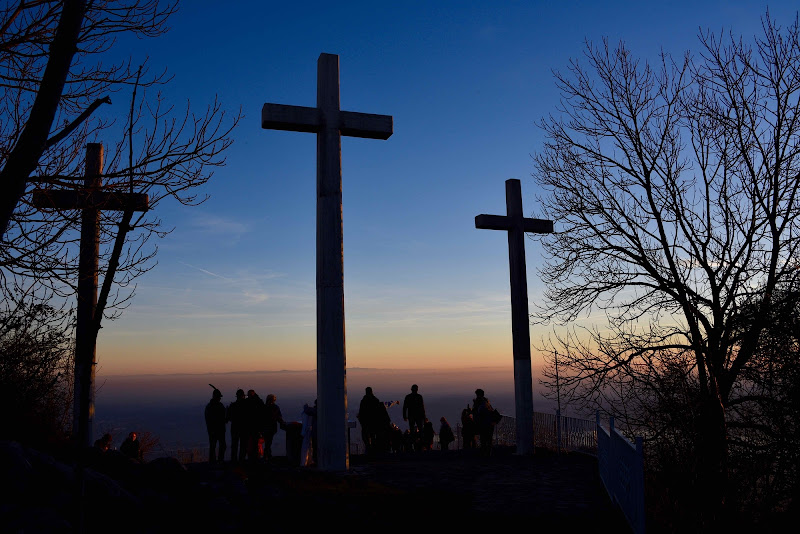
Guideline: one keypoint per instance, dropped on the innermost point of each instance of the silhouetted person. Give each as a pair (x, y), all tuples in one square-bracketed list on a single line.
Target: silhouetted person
[(104, 443), (383, 429), (236, 416), (272, 418), (468, 429), (427, 435), (446, 436), (408, 441), (215, 425), (131, 447), (481, 408), (253, 417), (396, 438), (370, 417), (310, 433), (414, 412)]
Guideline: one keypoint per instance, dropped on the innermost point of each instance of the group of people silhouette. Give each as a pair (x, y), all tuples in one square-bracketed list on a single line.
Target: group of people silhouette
[(131, 447), (253, 421), (380, 434), (478, 422)]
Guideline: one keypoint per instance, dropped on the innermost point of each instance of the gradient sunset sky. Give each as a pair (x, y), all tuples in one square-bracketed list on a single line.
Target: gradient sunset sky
[(466, 83)]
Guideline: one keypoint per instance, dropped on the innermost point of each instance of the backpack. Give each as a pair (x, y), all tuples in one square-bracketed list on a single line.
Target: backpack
[(494, 415)]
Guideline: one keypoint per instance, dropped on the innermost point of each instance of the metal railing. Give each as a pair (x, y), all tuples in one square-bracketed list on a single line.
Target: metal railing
[(620, 462), (572, 434), (563, 433), (621, 467)]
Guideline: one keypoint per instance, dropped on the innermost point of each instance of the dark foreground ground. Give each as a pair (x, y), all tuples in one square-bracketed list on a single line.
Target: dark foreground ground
[(395, 493), (430, 489)]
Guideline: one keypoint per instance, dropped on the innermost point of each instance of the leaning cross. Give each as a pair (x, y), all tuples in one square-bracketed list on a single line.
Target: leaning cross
[(517, 225), (90, 200), (329, 123)]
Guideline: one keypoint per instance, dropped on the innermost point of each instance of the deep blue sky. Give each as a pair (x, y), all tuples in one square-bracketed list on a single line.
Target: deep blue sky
[(465, 82)]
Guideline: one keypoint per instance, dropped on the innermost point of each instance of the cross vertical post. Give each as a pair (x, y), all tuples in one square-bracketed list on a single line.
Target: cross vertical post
[(331, 356), (329, 123), (516, 225), (90, 200), (85, 341)]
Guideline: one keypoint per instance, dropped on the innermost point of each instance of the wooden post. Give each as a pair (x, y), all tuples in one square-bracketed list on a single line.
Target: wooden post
[(85, 345), (90, 200), (516, 225), (329, 123)]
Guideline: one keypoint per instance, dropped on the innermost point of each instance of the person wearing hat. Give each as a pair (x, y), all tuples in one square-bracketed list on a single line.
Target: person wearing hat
[(215, 425), (236, 416)]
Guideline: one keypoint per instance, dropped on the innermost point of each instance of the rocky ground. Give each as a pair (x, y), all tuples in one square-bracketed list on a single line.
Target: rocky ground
[(392, 493)]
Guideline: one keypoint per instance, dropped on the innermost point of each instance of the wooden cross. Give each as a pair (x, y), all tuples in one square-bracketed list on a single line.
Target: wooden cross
[(516, 225), (329, 123), (90, 200)]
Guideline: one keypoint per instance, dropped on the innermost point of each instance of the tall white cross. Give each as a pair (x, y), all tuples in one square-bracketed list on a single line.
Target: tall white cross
[(516, 225), (329, 123)]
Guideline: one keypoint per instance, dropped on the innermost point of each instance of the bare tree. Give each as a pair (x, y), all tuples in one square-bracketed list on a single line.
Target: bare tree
[(675, 189), (53, 79)]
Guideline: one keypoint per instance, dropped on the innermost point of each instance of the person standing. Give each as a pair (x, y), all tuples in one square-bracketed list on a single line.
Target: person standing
[(236, 414), (253, 413), (368, 416), (215, 425), (272, 418), (468, 431), (414, 413), (383, 427), (309, 433), (427, 435), (484, 422), (446, 436)]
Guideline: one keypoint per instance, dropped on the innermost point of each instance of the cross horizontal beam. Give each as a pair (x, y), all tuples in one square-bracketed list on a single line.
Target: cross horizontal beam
[(503, 222), (70, 200), (306, 119), (290, 118), (366, 125)]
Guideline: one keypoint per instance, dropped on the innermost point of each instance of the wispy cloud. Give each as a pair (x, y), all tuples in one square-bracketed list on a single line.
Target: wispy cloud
[(255, 297), (217, 225), (406, 309), (206, 271)]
